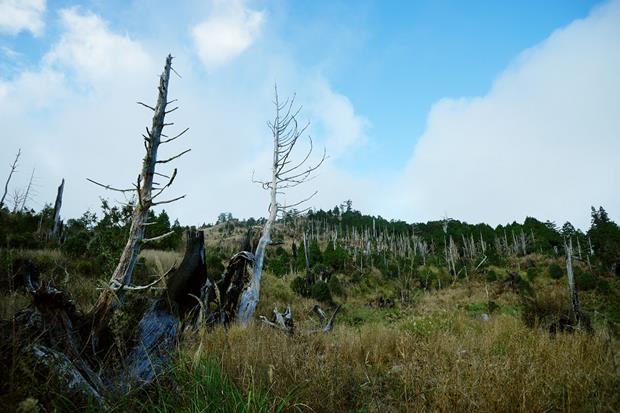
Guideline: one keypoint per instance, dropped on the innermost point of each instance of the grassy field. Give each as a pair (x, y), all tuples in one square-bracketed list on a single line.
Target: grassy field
[(438, 352)]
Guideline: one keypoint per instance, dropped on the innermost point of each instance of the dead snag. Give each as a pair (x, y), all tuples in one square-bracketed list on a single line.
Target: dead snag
[(281, 321), (579, 318), (57, 225), (147, 190), (284, 321), (8, 180), (286, 172)]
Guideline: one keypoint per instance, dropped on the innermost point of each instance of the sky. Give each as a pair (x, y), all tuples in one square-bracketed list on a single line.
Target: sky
[(483, 111)]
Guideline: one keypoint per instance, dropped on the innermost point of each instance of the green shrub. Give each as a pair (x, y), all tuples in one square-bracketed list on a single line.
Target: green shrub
[(555, 271), (491, 276), (603, 286), (298, 285), (214, 265), (586, 281), (320, 292), (532, 273), (335, 286)]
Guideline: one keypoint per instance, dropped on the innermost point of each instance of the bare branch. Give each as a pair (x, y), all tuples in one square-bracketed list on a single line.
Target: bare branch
[(168, 201), (153, 239), (110, 188), (171, 139), (13, 169), (174, 157), (146, 106)]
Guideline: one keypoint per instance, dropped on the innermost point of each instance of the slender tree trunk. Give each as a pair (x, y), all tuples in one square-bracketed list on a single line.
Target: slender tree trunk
[(251, 295), (574, 297), (124, 270), (57, 205), (8, 180)]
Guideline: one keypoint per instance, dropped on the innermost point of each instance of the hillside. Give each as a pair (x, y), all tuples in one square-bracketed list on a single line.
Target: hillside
[(435, 316)]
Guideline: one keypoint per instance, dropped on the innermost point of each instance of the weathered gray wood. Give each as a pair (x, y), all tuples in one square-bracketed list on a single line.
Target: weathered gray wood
[(285, 173), (144, 188), (56, 215), (574, 296), (8, 180)]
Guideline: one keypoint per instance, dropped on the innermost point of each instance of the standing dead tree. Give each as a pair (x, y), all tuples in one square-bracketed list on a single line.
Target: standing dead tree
[(8, 180), (579, 318), (286, 172), (147, 190), (57, 223)]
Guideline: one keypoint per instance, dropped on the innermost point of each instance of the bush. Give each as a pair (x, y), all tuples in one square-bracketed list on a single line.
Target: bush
[(335, 286), (298, 285), (586, 281), (532, 273), (555, 271), (491, 276), (603, 286), (214, 265), (320, 292)]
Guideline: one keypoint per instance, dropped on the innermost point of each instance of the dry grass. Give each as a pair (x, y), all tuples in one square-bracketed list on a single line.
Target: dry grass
[(441, 363), (161, 261)]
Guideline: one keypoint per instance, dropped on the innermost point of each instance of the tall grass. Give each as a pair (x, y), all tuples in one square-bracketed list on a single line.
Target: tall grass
[(441, 363), (198, 385)]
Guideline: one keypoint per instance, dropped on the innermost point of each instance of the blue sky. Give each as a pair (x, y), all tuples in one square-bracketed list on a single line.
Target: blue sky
[(371, 74)]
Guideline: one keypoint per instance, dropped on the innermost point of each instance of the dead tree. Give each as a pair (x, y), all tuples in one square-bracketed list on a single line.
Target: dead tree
[(57, 224), (286, 172), (27, 195), (580, 319), (284, 321), (147, 190), (8, 180)]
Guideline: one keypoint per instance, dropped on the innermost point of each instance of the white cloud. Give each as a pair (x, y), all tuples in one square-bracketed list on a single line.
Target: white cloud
[(342, 129), (95, 53), (543, 142), (226, 33), (20, 15)]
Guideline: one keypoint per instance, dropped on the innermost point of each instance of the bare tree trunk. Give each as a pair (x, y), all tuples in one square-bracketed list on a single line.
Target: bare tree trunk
[(284, 174), (57, 205), (250, 297), (27, 191), (144, 188), (13, 169), (574, 297), (309, 275)]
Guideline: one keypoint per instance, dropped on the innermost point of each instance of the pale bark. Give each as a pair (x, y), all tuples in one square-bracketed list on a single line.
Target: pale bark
[(146, 193), (574, 297), (8, 180), (285, 173), (57, 205)]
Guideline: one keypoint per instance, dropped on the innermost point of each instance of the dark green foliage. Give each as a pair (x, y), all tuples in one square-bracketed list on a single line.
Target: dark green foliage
[(159, 225), (555, 271), (603, 286), (335, 286), (214, 264), (532, 273), (336, 258), (491, 276), (279, 263), (605, 237), (314, 251), (298, 285), (320, 292), (25, 230), (585, 280)]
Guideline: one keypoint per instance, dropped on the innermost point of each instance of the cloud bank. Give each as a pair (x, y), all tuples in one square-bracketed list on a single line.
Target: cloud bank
[(22, 15), (543, 142)]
